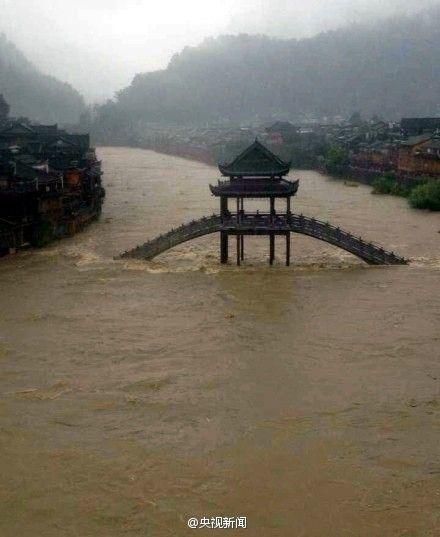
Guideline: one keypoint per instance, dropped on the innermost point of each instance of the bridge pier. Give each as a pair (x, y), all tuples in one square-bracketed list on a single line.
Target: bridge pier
[(272, 248), (238, 250), (224, 247)]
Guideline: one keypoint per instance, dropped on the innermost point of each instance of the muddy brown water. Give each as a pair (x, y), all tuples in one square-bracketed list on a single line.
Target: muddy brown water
[(135, 395)]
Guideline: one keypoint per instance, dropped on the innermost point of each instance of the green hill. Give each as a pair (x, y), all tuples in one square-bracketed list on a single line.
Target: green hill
[(391, 70), (35, 95)]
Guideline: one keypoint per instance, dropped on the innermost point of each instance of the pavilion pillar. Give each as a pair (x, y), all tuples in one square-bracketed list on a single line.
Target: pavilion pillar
[(288, 209), (272, 208), (242, 247), (238, 250), (272, 248), (224, 247), (288, 249), (223, 207)]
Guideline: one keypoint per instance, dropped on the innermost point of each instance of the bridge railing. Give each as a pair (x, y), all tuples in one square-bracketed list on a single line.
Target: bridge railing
[(367, 250), (348, 238), (176, 235)]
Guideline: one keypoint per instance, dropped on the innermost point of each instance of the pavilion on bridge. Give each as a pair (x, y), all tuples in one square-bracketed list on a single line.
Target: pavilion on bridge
[(256, 173)]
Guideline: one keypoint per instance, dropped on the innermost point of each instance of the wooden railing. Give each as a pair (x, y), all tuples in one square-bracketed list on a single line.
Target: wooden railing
[(368, 251), (185, 232)]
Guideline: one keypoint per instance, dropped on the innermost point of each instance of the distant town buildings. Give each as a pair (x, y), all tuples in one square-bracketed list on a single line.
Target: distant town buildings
[(408, 149)]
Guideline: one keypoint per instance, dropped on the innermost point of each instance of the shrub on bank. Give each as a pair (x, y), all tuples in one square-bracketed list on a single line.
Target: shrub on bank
[(336, 159), (426, 196), (388, 185), (383, 185)]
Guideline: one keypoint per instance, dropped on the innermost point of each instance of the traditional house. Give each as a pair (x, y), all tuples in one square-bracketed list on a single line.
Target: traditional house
[(17, 133), (281, 132), (408, 163), (50, 184), (376, 157), (427, 158)]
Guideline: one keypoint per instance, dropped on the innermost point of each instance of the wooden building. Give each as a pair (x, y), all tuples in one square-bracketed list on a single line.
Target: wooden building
[(419, 155), (50, 184), (428, 158), (282, 132), (378, 157), (256, 173)]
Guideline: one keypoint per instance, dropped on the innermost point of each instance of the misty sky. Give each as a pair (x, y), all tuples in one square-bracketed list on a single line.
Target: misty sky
[(98, 45)]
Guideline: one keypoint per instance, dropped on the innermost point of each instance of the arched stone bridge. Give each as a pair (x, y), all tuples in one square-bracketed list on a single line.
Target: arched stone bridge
[(369, 252)]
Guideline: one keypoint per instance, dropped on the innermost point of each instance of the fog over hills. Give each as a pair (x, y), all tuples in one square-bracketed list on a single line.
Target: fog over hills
[(390, 69), (33, 94), (387, 67), (306, 18), (99, 45)]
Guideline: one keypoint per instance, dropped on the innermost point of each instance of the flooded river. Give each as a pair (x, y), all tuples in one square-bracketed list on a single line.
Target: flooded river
[(135, 395)]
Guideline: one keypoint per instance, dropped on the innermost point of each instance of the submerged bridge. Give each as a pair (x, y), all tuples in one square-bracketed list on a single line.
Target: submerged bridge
[(257, 173), (262, 224)]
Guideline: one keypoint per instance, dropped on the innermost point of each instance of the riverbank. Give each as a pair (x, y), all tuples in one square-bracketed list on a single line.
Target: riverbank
[(422, 193)]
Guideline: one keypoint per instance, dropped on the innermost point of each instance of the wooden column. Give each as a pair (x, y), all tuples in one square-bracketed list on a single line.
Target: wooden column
[(223, 206), (238, 250), (272, 208), (289, 212), (272, 249), (288, 249), (224, 247), (238, 210), (242, 236)]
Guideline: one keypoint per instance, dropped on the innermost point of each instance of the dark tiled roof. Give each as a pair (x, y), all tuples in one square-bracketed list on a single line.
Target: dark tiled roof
[(80, 140), (23, 171), (420, 123), (17, 129), (62, 163), (256, 161), (255, 188), (46, 129), (23, 158), (414, 140), (281, 126), (432, 144)]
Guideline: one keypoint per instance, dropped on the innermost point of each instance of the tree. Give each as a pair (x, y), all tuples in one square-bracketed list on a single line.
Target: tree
[(336, 159)]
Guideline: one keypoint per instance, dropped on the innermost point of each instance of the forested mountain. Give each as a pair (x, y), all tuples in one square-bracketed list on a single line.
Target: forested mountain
[(32, 94), (391, 70)]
